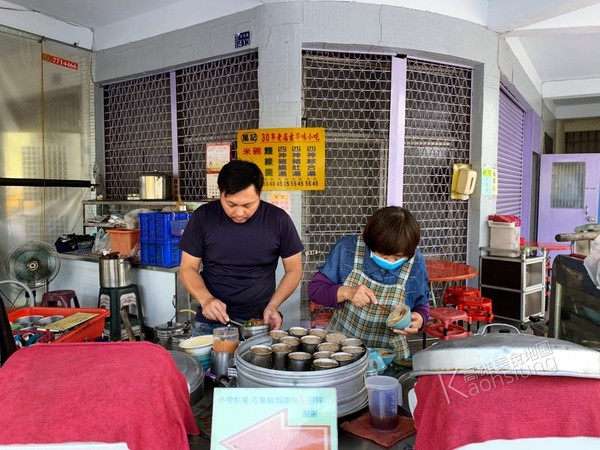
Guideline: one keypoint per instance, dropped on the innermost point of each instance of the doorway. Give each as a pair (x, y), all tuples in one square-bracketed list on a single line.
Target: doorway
[(568, 194)]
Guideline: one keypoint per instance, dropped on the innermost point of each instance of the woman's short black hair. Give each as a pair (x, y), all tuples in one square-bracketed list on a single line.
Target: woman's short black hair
[(392, 231), (237, 175)]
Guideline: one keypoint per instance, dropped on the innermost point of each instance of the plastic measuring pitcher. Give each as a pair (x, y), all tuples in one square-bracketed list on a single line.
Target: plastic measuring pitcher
[(385, 395)]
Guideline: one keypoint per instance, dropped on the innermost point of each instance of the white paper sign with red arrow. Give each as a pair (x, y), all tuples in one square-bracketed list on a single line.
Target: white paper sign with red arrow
[(273, 418)]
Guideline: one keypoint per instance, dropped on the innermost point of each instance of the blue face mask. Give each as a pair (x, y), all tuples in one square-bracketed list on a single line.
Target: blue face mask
[(385, 264)]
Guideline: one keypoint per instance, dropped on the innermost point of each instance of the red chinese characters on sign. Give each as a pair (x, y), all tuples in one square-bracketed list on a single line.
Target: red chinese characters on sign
[(60, 61)]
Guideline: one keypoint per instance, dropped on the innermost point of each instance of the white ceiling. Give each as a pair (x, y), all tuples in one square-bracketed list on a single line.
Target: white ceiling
[(557, 41)]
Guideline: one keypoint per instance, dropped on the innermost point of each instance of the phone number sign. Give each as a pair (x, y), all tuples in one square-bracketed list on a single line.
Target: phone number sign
[(291, 159), (60, 61)]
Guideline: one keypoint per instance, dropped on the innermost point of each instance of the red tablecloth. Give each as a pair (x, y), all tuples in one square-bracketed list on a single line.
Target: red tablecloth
[(455, 410), (128, 392)]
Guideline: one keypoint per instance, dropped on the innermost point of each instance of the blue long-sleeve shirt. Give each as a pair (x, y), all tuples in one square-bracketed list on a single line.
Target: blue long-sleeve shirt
[(340, 262)]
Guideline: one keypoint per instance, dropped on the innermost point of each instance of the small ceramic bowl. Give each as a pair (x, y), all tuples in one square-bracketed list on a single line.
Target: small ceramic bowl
[(399, 318), (198, 345), (386, 354)]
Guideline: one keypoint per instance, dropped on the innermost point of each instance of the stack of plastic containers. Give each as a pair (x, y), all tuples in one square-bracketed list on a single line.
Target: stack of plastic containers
[(159, 237)]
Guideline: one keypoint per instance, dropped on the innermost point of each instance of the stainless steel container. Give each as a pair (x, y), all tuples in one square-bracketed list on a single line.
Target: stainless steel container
[(248, 332), (347, 380), (165, 334), (155, 186), (115, 272), (193, 372)]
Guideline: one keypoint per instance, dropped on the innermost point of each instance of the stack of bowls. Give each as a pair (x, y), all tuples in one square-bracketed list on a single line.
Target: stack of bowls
[(199, 348)]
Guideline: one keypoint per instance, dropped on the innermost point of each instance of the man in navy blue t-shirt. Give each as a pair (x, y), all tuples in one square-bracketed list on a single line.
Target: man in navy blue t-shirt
[(238, 241)]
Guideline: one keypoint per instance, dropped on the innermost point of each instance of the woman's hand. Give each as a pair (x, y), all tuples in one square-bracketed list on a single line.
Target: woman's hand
[(359, 295), (416, 322)]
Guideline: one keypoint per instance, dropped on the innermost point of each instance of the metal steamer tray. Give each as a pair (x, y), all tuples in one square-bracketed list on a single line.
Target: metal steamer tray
[(509, 353), (347, 380)]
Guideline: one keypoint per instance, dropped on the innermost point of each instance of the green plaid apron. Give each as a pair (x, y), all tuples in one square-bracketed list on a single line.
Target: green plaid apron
[(368, 322)]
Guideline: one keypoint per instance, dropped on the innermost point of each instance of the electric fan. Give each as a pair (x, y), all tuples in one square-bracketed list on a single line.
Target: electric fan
[(33, 263)]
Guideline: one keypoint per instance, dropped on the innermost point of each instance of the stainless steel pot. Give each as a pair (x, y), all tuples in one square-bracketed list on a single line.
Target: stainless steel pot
[(166, 332), (115, 272), (155, 186)]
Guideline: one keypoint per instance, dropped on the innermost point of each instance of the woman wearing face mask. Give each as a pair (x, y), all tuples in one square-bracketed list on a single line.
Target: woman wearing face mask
[(383, 266)]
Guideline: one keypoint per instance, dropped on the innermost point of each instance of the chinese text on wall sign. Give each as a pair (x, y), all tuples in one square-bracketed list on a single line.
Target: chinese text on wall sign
[(290, 158)]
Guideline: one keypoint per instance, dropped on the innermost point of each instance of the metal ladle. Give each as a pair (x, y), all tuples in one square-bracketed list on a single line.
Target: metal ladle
[(239, 324)]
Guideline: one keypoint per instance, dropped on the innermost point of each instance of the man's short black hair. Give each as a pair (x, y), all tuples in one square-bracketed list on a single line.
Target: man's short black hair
[(237, 175)]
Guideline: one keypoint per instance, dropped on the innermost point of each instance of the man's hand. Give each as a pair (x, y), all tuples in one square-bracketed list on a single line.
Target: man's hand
[(214, 309), (271, 316)]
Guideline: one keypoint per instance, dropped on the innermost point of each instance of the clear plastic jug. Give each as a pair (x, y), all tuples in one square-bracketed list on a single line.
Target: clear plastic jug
[(385, 395)]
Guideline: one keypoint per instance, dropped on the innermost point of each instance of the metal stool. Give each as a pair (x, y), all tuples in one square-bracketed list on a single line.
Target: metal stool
[(60, 298), (444, 328), (120, 301)]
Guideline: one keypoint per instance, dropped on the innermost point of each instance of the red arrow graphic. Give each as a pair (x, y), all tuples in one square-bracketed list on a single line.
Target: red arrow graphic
[(274, 432)]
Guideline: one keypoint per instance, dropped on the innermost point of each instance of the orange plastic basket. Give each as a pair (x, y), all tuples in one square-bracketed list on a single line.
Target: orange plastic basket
[(123, 241), (87, 331)]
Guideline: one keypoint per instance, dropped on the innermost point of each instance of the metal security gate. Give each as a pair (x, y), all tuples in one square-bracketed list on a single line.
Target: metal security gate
[(437, 135), (349, 95), (148, 120), (214, 101), (137, 132)]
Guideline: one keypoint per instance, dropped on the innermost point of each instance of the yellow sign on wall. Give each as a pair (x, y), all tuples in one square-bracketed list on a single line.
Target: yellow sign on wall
[(291, 159)]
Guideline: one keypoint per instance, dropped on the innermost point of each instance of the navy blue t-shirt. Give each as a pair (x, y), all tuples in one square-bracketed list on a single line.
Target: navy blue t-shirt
[(239, 260)]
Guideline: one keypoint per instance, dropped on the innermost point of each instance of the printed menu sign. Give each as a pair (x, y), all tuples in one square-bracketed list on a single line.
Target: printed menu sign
[(298, 418), (291, 159)]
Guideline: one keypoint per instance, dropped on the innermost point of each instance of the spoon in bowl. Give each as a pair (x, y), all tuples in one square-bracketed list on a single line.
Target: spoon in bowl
[(383, 307)]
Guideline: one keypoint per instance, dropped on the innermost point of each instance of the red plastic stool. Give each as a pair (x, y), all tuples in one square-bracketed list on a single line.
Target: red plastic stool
[(60, 298), (319, 315), (444, 328), (479, 309), (454, 293)]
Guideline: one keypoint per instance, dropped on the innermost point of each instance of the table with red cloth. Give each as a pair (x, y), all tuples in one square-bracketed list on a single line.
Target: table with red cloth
[(458, 409), (128, 392)]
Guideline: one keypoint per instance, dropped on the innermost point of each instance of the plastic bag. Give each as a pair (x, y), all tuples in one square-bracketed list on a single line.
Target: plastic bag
[(102, 242), (592, 262), (72, 242), (132, 220)]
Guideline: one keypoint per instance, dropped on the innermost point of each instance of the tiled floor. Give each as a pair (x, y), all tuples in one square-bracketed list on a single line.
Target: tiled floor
[(203, 414)]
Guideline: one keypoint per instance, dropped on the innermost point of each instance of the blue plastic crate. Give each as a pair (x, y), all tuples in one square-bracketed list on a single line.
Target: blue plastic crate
[(147, 225), (147, 252), (164, 253), (163, 225), (168, 253)]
